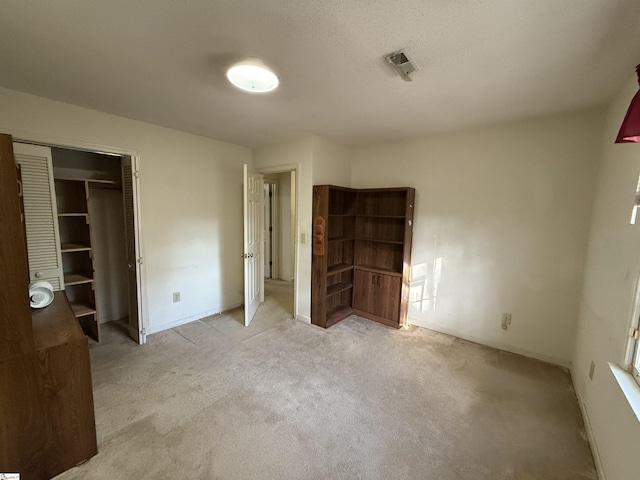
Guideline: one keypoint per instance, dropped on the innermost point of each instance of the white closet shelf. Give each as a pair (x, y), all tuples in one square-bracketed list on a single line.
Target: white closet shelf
[(90, 180), (74, 247), (81, 309), (76, 279)]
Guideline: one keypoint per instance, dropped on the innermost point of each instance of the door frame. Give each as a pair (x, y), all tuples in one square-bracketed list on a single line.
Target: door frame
[(48, 141), (288, 168), (274, 212)]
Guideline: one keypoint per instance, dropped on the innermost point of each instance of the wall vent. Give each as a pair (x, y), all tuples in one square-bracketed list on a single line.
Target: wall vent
[(401, 63)]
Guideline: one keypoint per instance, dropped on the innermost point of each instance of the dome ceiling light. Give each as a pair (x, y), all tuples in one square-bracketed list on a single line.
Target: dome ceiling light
[(252, 75)]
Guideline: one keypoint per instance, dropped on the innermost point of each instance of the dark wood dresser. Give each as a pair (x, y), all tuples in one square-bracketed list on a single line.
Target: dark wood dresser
[(47, 422)]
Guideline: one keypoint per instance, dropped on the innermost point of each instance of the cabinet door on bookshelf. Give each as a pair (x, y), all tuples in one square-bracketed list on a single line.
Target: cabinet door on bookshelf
[(377, 294)]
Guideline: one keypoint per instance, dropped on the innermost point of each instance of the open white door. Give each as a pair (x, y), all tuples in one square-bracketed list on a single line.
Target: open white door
[(129, 193), (253, 245)]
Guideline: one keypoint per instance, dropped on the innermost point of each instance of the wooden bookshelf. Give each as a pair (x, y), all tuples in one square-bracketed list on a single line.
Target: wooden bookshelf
[(362, 253)]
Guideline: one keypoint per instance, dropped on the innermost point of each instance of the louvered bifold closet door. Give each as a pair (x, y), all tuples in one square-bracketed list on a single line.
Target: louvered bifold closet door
[(40, 213), (128, 187)]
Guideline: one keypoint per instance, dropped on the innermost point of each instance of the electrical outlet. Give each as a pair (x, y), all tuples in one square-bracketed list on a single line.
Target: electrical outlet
[(592, 369), (176, 297), (506, 320), (303, 238)]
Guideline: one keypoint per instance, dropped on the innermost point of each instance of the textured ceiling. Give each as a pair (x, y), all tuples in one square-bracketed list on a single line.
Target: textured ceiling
[(163, 62)]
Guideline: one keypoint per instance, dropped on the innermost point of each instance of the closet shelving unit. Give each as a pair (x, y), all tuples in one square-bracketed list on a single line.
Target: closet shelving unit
[(76, 246), (361, 254)]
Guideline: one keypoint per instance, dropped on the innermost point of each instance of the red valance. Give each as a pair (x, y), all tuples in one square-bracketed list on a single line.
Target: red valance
[(630, 129)]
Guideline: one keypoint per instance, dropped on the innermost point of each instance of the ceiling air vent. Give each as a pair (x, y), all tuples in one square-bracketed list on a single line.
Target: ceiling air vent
[(401, 63)]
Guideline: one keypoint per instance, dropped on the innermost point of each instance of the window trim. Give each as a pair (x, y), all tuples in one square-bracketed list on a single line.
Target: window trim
[(632, 353), (630, 389), (634, 367)]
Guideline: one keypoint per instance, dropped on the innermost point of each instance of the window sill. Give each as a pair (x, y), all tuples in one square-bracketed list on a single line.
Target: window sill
[(630, 388)]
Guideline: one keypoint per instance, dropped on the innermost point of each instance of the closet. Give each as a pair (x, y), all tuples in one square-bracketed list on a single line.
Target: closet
[(88, 188), (361, 254), (76, 230)]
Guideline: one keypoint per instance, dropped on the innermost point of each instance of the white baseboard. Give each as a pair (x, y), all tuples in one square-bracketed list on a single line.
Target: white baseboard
[(490, 343), (587, 425), (192, 318), (303, 318)]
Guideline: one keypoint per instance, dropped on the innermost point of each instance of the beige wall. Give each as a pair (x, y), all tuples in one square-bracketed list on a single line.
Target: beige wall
[(501, 220), (191, 201), (331, 163), (611, 273)]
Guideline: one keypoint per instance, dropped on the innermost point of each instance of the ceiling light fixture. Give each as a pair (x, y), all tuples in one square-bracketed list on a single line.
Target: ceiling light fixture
[(252, 75), (630, 129)]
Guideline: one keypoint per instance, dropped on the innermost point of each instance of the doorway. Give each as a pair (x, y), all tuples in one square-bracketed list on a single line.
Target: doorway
[(279, 225), (279, 234), (273, 194)]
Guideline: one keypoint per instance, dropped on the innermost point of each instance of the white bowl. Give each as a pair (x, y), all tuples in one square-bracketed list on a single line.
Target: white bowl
[(40, 294)]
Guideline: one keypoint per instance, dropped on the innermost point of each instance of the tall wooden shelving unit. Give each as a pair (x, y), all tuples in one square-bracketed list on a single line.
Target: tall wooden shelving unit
[(334, 211), (76, 245), (361, 254)]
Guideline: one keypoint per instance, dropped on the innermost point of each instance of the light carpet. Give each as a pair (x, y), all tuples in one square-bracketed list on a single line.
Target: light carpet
[(281, 399)]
